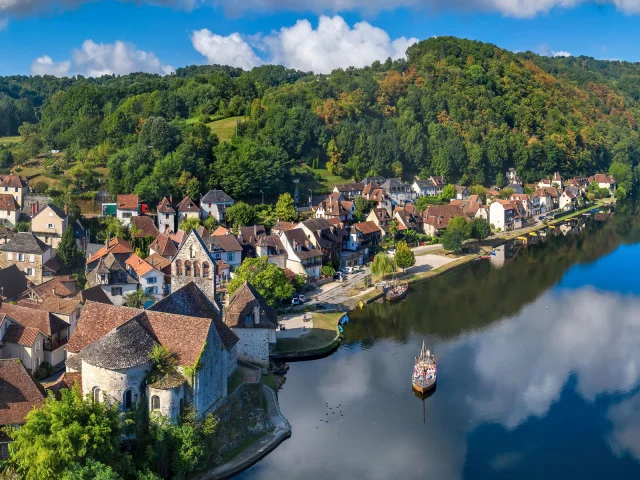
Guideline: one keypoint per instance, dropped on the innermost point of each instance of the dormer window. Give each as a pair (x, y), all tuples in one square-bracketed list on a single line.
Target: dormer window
[(248, 320)]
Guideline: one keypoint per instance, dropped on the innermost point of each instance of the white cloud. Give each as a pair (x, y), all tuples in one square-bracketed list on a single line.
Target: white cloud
[(332, 45), (561, 53), (231, 50), (44, 65), (548, 52), (97, 59)]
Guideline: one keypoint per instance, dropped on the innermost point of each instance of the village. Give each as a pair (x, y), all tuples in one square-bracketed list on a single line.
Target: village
[(55, 334)]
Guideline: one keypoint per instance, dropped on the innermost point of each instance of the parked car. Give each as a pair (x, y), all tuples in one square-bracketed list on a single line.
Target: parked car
[(302, 298), (295, 301), (350, 270), (338, 276), (543, 218)]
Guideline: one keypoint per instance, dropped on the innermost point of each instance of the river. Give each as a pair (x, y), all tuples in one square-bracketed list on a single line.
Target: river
[(538, 373)]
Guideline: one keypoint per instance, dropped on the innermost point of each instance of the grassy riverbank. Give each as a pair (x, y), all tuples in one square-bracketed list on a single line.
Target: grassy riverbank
[(323, 334)]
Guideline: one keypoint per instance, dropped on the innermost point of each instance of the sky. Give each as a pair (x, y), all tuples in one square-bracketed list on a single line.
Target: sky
[(96, 37)]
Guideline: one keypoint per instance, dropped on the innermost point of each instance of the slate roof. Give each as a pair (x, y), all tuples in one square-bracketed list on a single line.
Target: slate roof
[(243, 303), (146, 225), (127, 202), (7, 202), (164, 246), (19, 393), (190, 300), (317, 224), (228, 243), (13, 282), (440, 215), (297, 237), (350, 187), (117, 273), (25, 242), (56, 295), (44, 321), (126, 346), (187, 205), (57, 210), (252, 234), (216, 196), (114, 245), (165, 206)]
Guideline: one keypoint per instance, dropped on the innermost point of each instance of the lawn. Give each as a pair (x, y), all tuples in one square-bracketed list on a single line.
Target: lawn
[(225, 128), (323, 333), (10, 140), (323, 182)]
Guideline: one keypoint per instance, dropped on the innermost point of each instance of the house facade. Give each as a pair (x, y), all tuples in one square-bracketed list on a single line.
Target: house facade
[(166, 216), (30, 255), (350, 190), (17, 186), (127, 206), (214, 204), (398, 191), (112, 277), (49, 223), (303, 257), (504, 215), (9, 210), (150, 279), (436, 218), (187, 208)]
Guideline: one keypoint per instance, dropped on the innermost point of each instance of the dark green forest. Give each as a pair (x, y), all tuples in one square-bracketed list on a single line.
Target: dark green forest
[(462, 109)]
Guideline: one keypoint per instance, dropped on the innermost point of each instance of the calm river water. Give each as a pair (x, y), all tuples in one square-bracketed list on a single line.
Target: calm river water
[(538, 373)]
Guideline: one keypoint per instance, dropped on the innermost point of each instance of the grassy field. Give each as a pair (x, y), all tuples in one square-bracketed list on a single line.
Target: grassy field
[(225, 129), (323, 333), (10, 140)]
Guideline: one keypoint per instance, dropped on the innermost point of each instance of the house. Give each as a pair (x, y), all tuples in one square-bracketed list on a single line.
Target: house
[(187, 208), (371, 234), (20, 394), (302, 256), (375, 179), (531, 203), (544, 199), (397, 190), (13, 282), (504, 215), (280, 227), (248, 238), (462, 192), (163, 265), (144, 227), (223, 247), (150, 279), (604, 181), (512, 177), (430, 187), (164, 246), (469, 208), (166, 215), (16, 186), (381, 217), (334, 208), (350, 190), (215, 203), (436, 218), (119, 248), (407, 220), (579, 182), (126, 207), (9, 210), (375, 193), (61, 297), (325, 237), (516, 187), (32, 336), (568, 200), (544, 183), (556, 180), (30, 255), (110, 275), (49, 223), (111, 349), (270, 246), (254, 322)]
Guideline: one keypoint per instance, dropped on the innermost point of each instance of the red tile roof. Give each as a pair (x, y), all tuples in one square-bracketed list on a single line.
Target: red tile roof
[(146, 225), (164, 246), (367, 227), (165, 206), (19, 393), (221, 231), (7, 202), (138, 265), (127, 202), (158, 262), (13, 181), (187, 205), (41, 320), (114, 245), (25, 336)]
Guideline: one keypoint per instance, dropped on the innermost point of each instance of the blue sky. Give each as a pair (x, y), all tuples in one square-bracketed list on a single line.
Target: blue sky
[(57, 31)]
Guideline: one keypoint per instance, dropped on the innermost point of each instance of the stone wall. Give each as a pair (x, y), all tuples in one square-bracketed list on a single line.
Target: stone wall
[(115, 382), (169, 401), (37, 277), (211, 380), (192, 251), (253, 346)]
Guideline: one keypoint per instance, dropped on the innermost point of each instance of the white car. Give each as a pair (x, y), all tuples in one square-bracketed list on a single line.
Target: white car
[(350, 269), (302, 298), (295, 301)]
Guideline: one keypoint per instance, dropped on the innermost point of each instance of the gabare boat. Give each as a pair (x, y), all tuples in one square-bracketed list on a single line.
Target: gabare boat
[(425, 371)]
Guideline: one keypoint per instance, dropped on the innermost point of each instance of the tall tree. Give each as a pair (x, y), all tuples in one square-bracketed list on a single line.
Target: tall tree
[(404, 257), (285, 208)]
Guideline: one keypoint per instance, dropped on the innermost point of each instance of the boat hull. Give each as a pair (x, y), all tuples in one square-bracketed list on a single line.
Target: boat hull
[(398, 294), (424, 387)]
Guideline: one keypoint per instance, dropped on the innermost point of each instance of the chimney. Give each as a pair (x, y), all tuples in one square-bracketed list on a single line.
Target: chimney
[(66, 209), (171, 199), (53, 290)]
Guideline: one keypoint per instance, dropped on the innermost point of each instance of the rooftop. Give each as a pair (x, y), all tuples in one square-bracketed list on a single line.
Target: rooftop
[(7, 202), (216, 196), (165, 206), (127, 202), (164, 246), (19, 393), (114, 245), (243, 303), (146, 225), (25, 242), (187, 205)]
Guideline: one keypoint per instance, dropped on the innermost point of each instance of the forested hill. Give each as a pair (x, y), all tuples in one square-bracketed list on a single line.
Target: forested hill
[(463, 109)]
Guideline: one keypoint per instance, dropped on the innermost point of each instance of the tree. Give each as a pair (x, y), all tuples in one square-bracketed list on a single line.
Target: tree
[(455, 234), (68, 252), (91, 471), (382, 265), (240, 215), (40, 187), (363, 207), (404, 257), (393, 228), (448, 192), (480, 229), (506, 193), (285, 209), (265, 277), (137, 299), (190, 223), (328, 271), (73, 430), (478, 190)]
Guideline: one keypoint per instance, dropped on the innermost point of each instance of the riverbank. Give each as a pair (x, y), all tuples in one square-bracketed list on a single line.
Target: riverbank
[(323, 338)]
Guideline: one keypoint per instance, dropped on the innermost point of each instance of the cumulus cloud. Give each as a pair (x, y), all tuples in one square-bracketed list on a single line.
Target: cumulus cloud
[(44, 65), (548, 52), (231, 50), (96, 59), (333, 44)]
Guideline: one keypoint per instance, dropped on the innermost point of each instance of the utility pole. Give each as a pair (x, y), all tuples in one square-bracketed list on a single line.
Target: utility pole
[(262, 192), (311, 198)]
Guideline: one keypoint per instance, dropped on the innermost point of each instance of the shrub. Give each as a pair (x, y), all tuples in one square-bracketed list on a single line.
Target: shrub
[(328, 271), (43, 371)]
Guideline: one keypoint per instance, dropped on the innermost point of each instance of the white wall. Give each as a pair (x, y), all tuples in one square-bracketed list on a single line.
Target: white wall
[(253, 346)]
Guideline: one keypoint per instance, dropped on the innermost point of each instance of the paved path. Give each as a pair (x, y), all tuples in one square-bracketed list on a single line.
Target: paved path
[(259, 449), (426, 248), (295, 326)]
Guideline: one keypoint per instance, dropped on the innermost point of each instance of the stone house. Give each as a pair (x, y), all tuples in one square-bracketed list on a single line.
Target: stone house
[(32, 336), (111, 276), (16, 186), (333, 208), (30, 255), (120, 249), (303, 257), (271, 246), (127, 206), (49, 223), (150, 280), (187, 208), (20, 394), (215, 203), (436, 218), (9, 210), (254, 322), (349, 190), (604, 181), (111, 349), (324, 236), (166, 215)]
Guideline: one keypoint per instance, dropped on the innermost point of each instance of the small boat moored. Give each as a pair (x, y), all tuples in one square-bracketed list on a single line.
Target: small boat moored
[(397, 291), (425, 371)]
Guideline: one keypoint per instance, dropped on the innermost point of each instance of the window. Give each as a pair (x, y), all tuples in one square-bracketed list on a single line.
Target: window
[(196, 269), (50, 225), (126, 400), (205, 269), (248, 320), (155, 402), (152, 279), (216, 256), (97, 394), (10, 256), (178, 267), (230, 256), (187, 268), (29, 271), (151, 290), (37, 346), (32, 258), (116, 291), (21, 257), (126, 214)]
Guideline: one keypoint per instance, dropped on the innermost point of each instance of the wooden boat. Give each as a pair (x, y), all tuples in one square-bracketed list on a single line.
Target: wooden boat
[(425, 371), (397, 291)]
